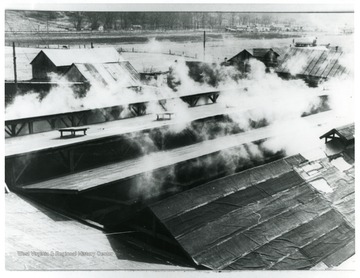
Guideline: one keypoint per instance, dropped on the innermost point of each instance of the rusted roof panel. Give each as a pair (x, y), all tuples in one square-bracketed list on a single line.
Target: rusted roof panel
[(314, 62), (121, 74)]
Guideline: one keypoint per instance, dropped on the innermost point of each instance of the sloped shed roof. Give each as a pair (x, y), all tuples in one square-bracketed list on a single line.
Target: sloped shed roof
[(263, 218), (257, 52), (66, 57), (312, 62), (345, 132), (121, 73)]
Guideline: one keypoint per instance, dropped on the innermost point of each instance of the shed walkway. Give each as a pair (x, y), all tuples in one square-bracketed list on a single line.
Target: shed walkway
[(112, 173)]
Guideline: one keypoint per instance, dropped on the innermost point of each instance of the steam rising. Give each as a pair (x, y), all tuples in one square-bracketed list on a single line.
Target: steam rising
[(258, 97)]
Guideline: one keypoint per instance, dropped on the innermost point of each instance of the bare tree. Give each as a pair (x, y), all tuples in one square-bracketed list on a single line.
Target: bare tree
[(94, 19), (77, 19)]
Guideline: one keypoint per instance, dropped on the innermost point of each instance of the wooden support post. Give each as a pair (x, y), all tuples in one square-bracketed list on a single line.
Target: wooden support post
[(162, 103), (13, 130), (71, 161), (52, 123), (65, 123), (213, 97), (72, 120), (10, 172), (22, 170), (153, 226), (19, 129), (138, 109), (78, 160), (8, 130), (104, 113), (116, 112), (31, 127)]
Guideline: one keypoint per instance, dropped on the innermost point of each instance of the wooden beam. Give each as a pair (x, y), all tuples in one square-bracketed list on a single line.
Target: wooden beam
[(78, 160), (71, 161), (31, 127), (64, 158), (20, 128), (52, 123), (8, 130), (162, 104), (19, 174), (65, 123)]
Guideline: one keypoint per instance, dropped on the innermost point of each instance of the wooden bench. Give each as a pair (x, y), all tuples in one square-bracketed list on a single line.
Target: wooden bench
[(164, 116), (72, 131)]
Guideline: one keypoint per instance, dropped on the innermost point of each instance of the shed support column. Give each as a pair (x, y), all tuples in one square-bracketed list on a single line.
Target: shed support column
[(9, 173), (138, 109), (31, 127), (213, 97), (192, 100), (71, 161)]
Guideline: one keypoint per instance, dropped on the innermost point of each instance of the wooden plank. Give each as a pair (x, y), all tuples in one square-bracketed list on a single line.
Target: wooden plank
[(121, 170), (43, 141)]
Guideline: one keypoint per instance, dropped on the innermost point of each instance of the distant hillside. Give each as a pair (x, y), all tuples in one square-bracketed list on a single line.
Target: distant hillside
[(27, 21)]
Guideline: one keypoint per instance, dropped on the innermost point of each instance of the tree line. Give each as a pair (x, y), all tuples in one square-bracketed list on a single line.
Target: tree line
[(156, 20)]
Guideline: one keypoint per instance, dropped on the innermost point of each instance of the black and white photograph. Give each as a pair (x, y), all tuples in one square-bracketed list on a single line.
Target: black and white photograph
[(179, 138)]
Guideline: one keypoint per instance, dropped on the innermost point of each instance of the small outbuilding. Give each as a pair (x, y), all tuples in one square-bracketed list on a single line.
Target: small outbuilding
[(344, 133)]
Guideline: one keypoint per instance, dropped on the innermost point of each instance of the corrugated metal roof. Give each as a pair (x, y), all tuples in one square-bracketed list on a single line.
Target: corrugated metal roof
[(66, 57), (313, 62), (121, 74), (263, 218), (346, 132)]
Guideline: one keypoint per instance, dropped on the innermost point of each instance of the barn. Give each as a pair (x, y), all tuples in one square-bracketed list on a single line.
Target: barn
[(58, 61), (268, 56)]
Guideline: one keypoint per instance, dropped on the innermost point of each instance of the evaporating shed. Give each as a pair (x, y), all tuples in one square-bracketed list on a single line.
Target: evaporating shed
[(311, 65), (58, 61), (115, 75), (122, 74), (267, 217), (266, 55)]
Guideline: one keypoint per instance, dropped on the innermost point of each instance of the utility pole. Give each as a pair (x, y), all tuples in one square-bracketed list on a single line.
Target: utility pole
[(15, 76), (204, 47)]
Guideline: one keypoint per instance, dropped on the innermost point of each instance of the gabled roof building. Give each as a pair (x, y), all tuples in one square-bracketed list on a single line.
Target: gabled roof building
[(266, 55), (58, 61)]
